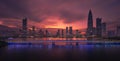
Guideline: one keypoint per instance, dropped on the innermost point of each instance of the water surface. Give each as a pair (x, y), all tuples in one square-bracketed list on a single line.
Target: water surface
[(60, 52)]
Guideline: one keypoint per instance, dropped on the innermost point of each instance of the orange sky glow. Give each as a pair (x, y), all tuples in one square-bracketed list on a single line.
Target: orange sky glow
[(60, 24), (48, 23)]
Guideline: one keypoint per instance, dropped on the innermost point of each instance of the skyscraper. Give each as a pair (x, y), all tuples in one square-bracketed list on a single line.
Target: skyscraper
[(77, 33), (103, 29), (90, 24), (118, 31), (41, 33), (70, 30), (66, 30), (98, 27), (47, 33), (62, 33), (58, 33), (33, 31), (24, 27)]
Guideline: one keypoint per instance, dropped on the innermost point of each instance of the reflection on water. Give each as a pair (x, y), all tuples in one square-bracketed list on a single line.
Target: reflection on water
[(60, 52), (33, 39)]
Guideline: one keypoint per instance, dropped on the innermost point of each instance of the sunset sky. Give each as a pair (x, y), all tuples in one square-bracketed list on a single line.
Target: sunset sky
[(58, 13)]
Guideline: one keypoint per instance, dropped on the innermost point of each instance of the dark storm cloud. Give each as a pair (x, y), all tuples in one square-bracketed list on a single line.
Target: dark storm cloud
[(11, 8), (71, 17), (38, 10), (67, 10)]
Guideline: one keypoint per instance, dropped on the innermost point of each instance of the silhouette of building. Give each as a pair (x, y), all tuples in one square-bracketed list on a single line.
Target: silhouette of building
[(41, 33), (94, 31), (90, 24), (98, 27), (24, 27), (62, 33), (58, 33), (33, 31), (103, 29), (70, 30), (66, 30), (111, 33), (47, 33), (77, 33), (118, 31), (67, 33)]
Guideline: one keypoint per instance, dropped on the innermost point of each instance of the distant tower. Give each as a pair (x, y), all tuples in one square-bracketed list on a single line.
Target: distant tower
[(24, 27), (41, 33), (94, 31), (47, 33), (62, 33), (58, 33), (77, 33), (90, 24), (66, 30), (33, 31), (118, 31), (98, 27), (70, 30), (103, 29)]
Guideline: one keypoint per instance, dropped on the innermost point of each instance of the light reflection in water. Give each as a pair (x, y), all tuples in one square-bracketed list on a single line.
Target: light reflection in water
[(50, 38), (59, 51), (67, 45)]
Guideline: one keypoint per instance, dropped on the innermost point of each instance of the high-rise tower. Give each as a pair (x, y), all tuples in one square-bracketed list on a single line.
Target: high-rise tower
[(103, 29), (118, 31), (70, 30), (99, 27), (24, 27), (24, 24), (62, 33), (66, 30), (90, 24)]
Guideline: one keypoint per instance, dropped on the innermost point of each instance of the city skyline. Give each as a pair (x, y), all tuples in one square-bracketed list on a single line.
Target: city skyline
[(59, 30), (60, 14)]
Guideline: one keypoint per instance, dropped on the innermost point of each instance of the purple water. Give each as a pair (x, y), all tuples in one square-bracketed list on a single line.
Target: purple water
[(68, 52)]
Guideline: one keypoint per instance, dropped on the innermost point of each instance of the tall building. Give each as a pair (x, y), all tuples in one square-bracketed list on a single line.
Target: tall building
[(33, 31), (77, 33), (98, 27), (47, 33), (118, 31), (66, 30), (103, 29), (41, 33), (62, 33), (24, 27), (90, 24), (70, 30), (58, 33), (94, 31)]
